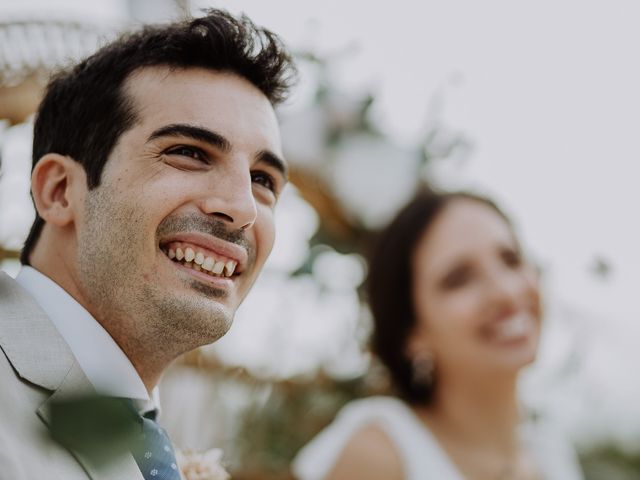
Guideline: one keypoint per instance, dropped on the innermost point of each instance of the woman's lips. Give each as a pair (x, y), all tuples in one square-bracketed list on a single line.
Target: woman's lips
[(517, 327)]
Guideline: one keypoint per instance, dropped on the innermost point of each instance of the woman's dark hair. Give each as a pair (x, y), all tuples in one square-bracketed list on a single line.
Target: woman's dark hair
[(389, 286), (85, 109)]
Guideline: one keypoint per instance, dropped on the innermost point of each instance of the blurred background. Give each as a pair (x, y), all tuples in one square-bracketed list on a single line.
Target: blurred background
[(533, 103)]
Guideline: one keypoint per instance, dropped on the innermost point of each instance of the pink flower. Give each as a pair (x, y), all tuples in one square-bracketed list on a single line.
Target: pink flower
[(202, 465)]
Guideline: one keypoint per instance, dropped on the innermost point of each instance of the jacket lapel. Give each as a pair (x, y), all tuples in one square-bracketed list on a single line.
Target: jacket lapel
[(41, 356), (76, 384), (30, 341)]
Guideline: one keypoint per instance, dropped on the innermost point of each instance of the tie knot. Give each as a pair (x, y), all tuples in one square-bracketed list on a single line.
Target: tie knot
[(151, 414)]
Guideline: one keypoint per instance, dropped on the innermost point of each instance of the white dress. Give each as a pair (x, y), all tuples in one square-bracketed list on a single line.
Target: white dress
[(421, 455)]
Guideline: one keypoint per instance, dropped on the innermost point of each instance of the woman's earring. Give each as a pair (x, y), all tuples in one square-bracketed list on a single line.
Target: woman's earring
[(422, 369)]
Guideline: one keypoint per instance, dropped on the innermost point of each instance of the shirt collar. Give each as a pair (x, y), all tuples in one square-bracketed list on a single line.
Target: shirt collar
[(103, 362)]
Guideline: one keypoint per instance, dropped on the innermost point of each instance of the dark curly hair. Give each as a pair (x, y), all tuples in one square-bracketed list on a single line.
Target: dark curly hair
[(389, 287), (85, 109)]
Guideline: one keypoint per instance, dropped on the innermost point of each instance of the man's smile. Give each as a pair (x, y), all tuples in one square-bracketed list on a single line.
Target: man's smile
[(191, 256), (207, 252), (211, 284), (208, 258)]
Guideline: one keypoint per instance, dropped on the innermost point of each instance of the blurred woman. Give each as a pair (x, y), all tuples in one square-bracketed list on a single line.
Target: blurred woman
[(457, 316)]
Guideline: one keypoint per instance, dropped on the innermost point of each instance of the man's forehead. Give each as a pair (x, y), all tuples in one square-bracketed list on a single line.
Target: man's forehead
[(224, 102)]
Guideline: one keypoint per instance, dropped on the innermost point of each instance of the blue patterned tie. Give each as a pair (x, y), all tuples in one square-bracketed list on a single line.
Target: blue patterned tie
[(155, 456)]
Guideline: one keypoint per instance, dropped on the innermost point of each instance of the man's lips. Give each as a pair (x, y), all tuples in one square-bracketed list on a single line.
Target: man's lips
[(209, 246)]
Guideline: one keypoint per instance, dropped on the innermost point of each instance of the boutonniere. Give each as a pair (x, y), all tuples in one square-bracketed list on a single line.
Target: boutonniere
[(202, 465)]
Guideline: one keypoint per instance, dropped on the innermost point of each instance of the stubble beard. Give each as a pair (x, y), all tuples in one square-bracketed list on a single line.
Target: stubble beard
[(145, 319)]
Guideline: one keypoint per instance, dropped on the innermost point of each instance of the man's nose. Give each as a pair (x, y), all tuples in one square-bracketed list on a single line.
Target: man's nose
[(230, 198)]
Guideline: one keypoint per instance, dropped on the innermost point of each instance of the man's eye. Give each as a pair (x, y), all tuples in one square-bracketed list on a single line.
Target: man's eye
[(191, 152), (264, 179)]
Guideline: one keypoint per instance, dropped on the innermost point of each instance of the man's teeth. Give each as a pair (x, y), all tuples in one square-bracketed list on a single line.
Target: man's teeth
[(230, 267), (208, 264), (199, 262), (218, 268)]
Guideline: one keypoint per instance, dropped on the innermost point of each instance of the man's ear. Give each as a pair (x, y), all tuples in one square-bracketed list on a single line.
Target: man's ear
[(54, 180)]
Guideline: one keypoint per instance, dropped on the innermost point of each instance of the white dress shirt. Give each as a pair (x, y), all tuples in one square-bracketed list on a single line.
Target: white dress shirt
[(101, 359)]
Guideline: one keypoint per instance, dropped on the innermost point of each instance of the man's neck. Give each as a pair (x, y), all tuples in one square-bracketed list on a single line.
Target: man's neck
[(57, 267)]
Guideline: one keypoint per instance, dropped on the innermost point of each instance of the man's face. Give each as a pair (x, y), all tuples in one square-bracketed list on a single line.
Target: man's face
[(175, 235)]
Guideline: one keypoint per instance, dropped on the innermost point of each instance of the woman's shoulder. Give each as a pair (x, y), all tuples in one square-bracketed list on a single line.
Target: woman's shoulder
[(368, 453), (386, 415), (380, 427), (358, 437)]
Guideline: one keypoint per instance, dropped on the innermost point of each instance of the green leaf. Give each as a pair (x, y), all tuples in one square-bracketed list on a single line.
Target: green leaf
[(99, 428)]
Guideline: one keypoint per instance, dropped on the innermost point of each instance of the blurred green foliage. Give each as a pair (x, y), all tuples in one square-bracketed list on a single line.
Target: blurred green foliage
[(99, 428), (611, 463)]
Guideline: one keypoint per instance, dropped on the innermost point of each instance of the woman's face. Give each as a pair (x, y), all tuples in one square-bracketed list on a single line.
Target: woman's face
[(476, 299)]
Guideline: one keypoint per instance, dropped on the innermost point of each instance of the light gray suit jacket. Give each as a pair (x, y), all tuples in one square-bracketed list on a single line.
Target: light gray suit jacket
[(36, 367)]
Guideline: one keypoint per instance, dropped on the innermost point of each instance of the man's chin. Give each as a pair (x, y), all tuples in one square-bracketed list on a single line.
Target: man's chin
[(203, 306), (203, 322)]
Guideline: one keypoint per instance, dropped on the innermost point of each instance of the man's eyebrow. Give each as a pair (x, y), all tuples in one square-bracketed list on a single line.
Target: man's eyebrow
[(218, 141), (271, 159), (196, 133)]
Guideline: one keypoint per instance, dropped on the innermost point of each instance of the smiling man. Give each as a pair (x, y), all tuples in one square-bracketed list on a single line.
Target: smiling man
[(157, 166)]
